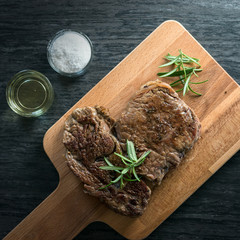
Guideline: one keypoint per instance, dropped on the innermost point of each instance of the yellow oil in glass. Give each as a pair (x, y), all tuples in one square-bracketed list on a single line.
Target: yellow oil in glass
[(29, 93)]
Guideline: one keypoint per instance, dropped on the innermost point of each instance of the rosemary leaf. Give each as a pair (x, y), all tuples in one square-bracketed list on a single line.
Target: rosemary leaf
[(178, 73), (108, 163), (185, 60), (182, 71), (105, 186), (135, 174), (166, 74), (179, 90), (185, 88), (121, 183), (131, 151), (111, 168), (169, 63), (122, 157), (125, 170), (117, 179), (177, 82), (142, 158), (128, 173), (198, 82), (195, 73), (199, 94), (129, 179), (192, 59)]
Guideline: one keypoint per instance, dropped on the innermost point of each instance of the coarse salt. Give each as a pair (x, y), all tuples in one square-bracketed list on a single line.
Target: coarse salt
[(70, 52)]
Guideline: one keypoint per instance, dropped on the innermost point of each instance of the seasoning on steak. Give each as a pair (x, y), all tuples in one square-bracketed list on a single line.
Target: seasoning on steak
[(157, 119), (88, 139)]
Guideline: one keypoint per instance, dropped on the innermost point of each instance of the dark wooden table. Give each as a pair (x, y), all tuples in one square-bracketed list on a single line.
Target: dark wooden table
[(27, 176)]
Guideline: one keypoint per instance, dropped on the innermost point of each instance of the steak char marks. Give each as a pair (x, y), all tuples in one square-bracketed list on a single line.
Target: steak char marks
[(155, 119), (88, 139)]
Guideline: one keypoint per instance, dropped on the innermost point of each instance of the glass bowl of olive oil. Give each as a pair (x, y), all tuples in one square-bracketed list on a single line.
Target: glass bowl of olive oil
[(29, 93)]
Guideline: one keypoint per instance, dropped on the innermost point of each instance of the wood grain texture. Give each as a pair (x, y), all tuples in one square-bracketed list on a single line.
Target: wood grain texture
[(219, 109), (27, 176)]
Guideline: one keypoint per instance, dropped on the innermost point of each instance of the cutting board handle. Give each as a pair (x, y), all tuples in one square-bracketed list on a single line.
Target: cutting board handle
[(59, 216)]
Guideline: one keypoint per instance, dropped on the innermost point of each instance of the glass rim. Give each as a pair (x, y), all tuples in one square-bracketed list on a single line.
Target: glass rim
[(40, 110), (50, 61)]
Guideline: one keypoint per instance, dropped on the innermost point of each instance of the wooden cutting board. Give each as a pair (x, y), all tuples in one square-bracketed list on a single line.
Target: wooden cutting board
[(68, 210)]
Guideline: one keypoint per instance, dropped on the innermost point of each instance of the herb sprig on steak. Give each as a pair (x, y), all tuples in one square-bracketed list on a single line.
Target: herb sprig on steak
[(155, 120)]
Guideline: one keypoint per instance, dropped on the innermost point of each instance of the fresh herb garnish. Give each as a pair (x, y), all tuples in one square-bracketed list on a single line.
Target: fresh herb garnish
[(183, 72), (127, 173)]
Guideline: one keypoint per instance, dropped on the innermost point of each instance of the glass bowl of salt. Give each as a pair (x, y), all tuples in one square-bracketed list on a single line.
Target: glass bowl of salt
[(69, 53)]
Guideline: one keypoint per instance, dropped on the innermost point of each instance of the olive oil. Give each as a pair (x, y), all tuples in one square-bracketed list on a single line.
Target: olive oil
[(29, 93)]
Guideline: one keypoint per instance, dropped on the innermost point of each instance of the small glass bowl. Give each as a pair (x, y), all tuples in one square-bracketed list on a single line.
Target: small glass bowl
[(29, 93), (51, 62)]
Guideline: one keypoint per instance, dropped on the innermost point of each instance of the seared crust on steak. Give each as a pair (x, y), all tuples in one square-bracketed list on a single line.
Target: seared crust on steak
[(88, 139), (157, 119), (87, 134), (132, 200)]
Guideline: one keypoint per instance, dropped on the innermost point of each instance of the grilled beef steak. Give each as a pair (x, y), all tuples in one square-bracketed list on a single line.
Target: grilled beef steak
[(88, 139), (157, 119)]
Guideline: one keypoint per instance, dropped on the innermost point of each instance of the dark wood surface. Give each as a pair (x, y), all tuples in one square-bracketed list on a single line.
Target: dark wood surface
[(27, 176)]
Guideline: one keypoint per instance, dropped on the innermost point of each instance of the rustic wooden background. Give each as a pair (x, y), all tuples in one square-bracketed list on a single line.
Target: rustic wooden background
[(27, 176)]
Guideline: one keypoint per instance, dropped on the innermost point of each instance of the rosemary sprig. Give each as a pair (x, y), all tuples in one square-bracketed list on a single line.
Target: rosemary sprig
[(183, 72), (127, 173)]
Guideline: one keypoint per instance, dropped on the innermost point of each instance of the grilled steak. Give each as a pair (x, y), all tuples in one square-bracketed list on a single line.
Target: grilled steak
[(88, 139), (87, 134), (157, 119)]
